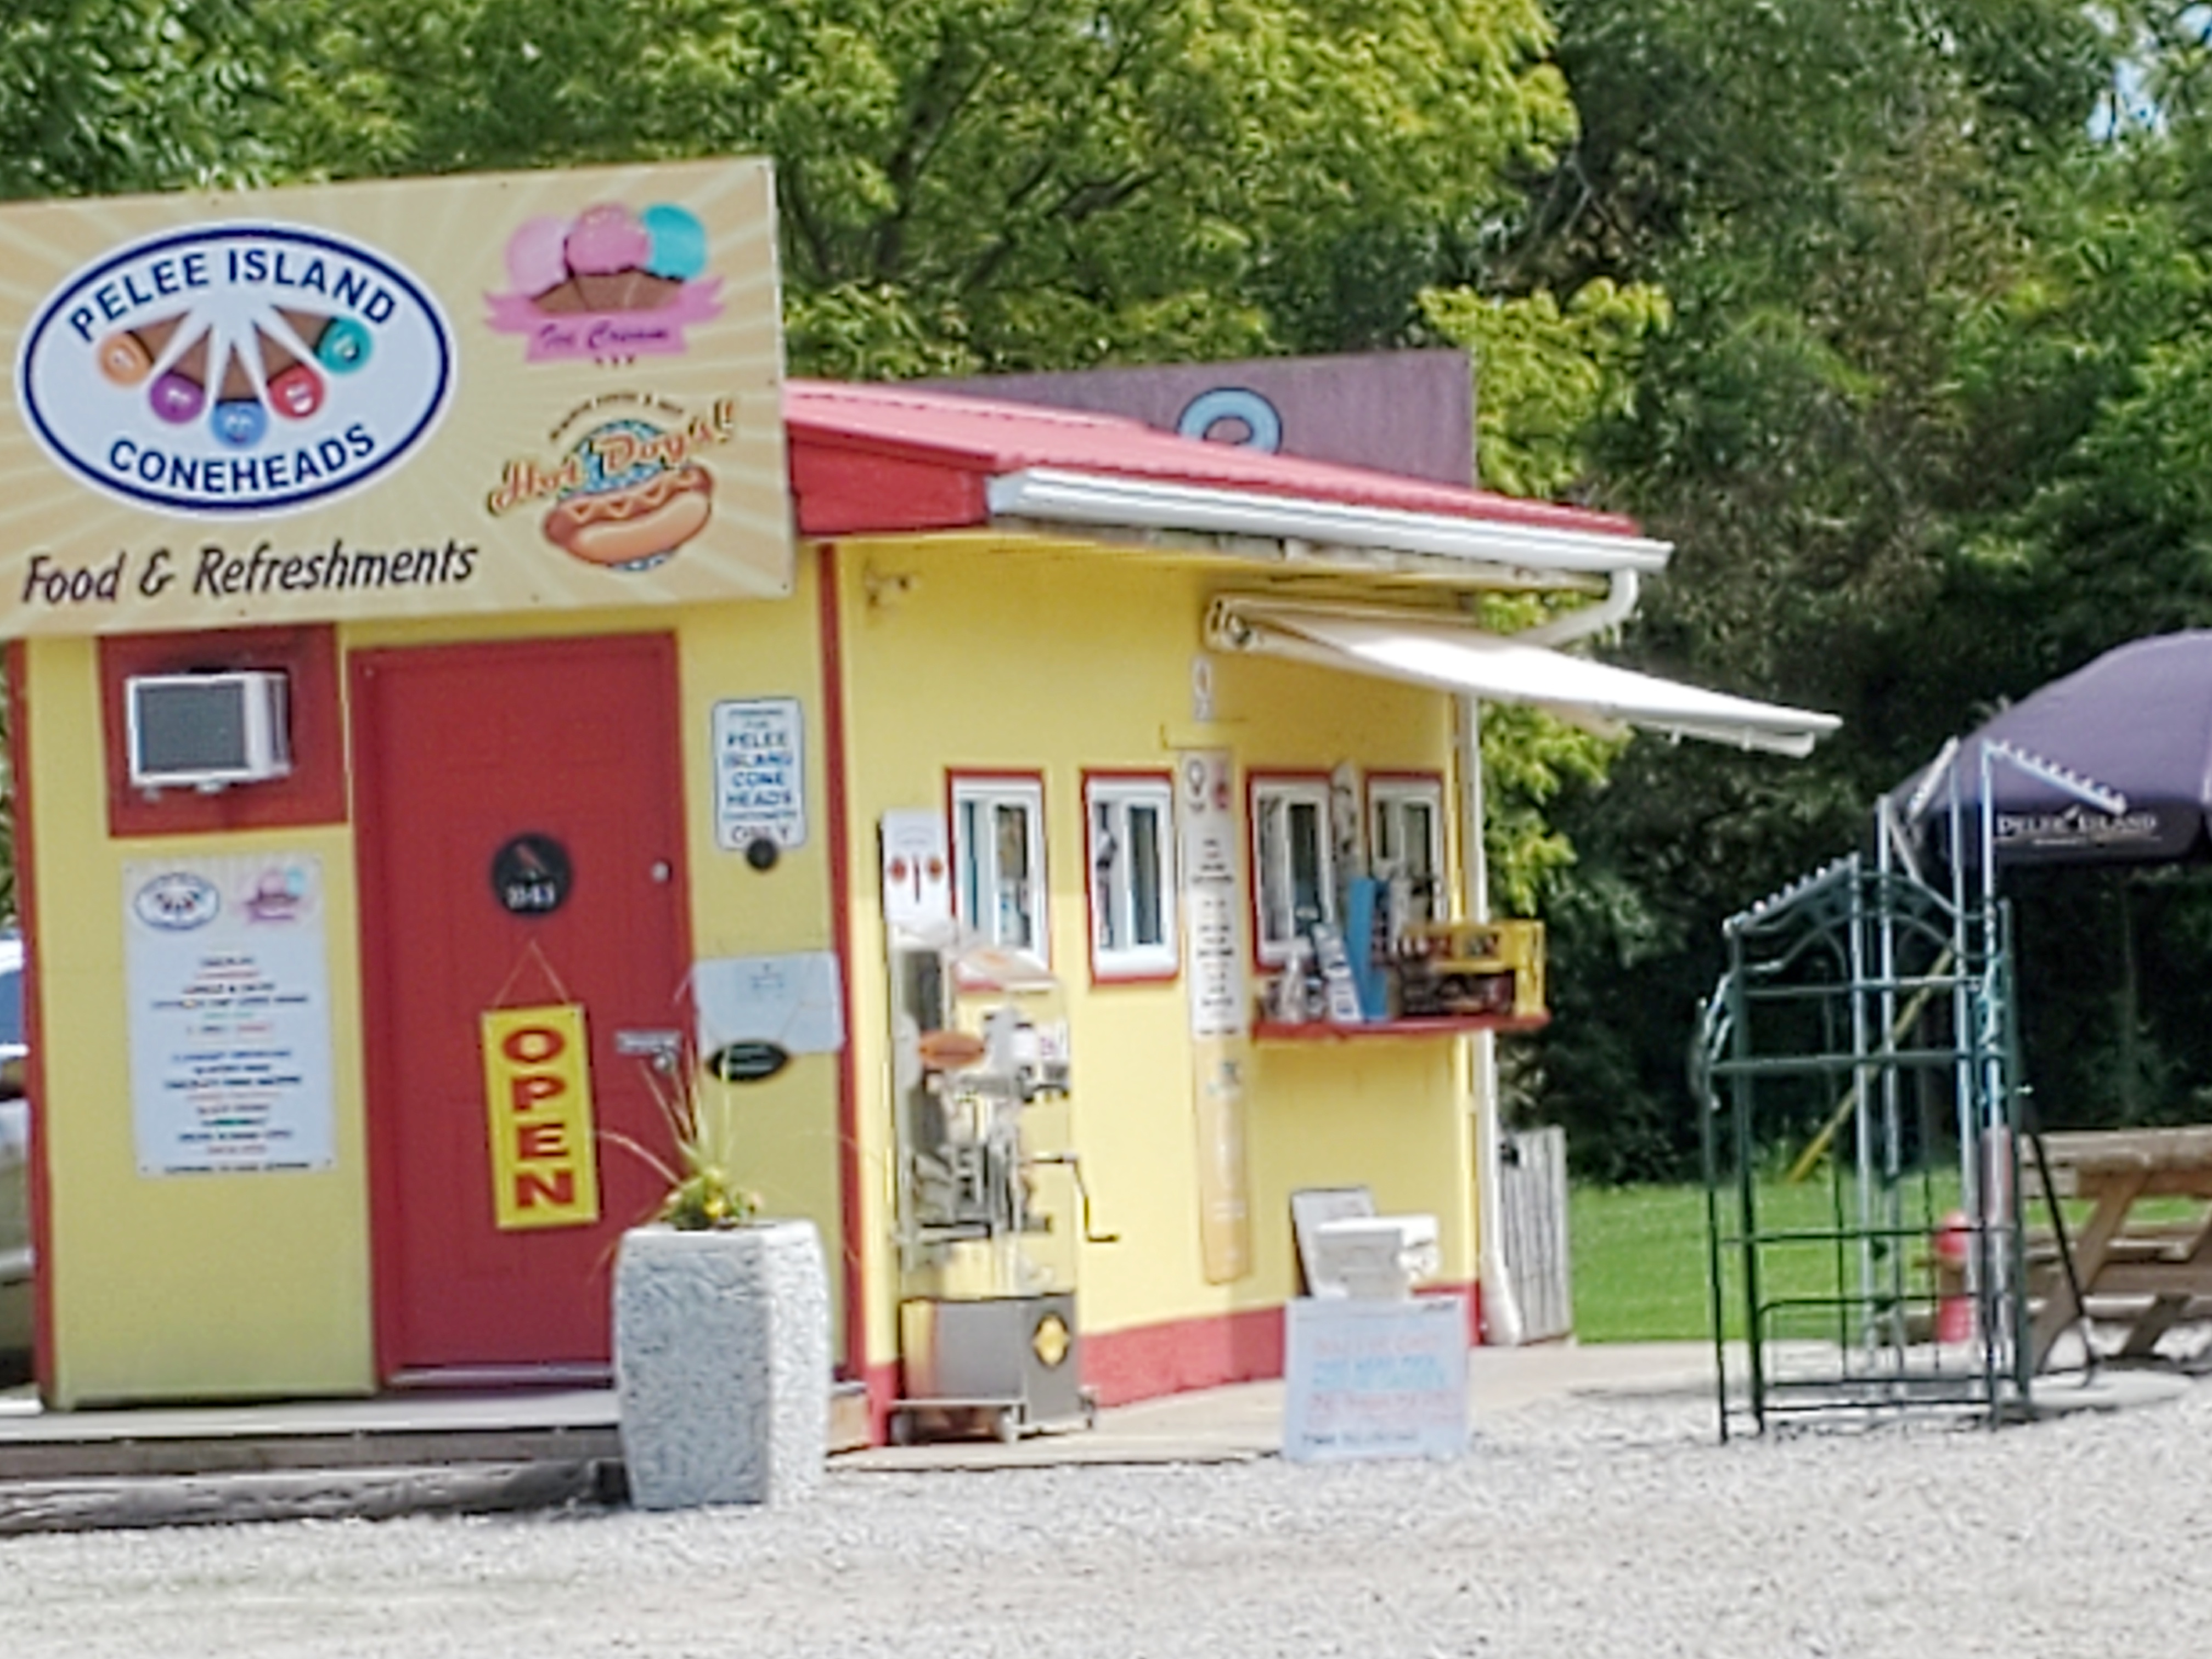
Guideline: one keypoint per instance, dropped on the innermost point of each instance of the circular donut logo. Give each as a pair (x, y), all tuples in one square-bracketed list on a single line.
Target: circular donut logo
[(236, 369)]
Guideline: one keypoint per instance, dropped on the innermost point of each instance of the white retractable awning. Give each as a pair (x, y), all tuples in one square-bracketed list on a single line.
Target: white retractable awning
[(1439, 652)]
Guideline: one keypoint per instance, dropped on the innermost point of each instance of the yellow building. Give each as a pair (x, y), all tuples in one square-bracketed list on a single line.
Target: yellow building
[(435, 745)]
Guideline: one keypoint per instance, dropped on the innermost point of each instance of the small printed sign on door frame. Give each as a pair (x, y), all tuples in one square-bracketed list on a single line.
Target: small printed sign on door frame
[(760, 773)]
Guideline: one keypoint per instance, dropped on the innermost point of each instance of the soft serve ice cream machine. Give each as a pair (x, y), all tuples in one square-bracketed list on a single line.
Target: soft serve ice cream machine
[(992, 1207)]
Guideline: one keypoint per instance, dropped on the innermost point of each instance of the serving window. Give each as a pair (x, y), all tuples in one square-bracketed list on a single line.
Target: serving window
[(1129, 833), (998, 859), (1405, 839), (1293, 863)]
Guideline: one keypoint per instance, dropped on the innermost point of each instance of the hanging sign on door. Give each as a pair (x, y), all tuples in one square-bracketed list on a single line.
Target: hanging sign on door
[(537, 1094)]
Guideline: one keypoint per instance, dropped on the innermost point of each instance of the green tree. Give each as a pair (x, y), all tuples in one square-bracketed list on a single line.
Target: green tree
[(107, 96), (995, 184), (1866, 217)]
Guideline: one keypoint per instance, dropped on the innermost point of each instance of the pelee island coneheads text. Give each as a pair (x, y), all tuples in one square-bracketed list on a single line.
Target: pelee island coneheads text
[(215, 571)]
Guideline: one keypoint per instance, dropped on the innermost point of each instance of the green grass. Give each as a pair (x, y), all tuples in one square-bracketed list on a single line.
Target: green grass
[(1640, 1265), (1639, 1256)]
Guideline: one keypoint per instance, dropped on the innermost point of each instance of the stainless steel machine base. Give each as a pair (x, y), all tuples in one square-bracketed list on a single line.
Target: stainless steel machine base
[(1012, 1362)]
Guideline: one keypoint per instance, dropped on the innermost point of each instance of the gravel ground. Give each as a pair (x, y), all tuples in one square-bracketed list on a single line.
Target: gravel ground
[(1588, 1528)]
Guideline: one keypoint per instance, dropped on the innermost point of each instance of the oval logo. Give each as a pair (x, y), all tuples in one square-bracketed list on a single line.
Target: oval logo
[(747, 1062), (236, 369), (177, 901)]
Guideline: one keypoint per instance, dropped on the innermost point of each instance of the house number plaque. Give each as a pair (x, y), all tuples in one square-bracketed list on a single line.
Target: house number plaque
[(530, 876)]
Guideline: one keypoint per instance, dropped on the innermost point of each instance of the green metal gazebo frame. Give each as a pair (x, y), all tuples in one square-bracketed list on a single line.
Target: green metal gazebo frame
[(1857, 1070)]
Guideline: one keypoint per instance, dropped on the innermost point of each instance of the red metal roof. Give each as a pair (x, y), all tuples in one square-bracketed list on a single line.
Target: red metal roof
[(886, 459)]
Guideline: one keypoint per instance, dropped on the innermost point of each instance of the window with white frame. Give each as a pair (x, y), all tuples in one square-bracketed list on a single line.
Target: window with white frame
[(1406, 838), (1293, 866), (998, 859), (1132, 883)]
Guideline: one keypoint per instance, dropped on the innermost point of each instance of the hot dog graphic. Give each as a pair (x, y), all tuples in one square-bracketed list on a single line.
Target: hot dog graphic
[(632, 509)]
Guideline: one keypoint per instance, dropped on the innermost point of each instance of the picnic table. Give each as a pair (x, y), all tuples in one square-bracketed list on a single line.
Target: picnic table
[(2149, 1275)]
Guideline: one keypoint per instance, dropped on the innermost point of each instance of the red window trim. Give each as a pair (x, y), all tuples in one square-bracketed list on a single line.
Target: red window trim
[(1165, 778), (315, 793)]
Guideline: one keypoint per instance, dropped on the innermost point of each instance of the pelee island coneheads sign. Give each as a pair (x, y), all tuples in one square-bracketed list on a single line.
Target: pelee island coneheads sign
[(237, 371), (505, 392)]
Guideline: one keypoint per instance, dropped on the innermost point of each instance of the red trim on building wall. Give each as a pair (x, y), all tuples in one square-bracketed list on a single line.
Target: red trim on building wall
[(34, 1036), (378, 1042), (1165, 778), (883, 1387), (842, 491), (837, 803), (1148, 1361), (315, 790)]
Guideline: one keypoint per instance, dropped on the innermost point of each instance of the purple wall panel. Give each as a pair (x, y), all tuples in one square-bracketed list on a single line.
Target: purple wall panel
[(1407, 412)]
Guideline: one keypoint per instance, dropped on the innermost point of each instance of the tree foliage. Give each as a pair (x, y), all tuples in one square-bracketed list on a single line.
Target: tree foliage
[(1928, 428), (995, 184), (1890, 314)]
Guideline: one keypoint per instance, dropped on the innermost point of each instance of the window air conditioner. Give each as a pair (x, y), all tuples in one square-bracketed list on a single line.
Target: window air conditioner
[(206, 730)]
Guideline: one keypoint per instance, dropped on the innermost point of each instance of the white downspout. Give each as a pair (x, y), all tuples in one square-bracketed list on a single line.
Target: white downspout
[(1610, 611), (1502, 1324)]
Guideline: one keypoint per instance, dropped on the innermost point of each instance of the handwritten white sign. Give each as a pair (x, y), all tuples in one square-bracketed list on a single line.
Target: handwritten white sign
[(760, 773), (1374, 1379)]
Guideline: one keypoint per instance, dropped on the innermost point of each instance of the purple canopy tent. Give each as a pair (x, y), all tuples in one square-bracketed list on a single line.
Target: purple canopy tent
[(2112, 764)]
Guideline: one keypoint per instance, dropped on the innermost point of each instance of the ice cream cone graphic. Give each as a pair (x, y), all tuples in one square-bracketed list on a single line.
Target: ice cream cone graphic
[(563, 297), (181, 393), (340, 345), (239, 420), (296, 390), (128, 355), (641, 291)]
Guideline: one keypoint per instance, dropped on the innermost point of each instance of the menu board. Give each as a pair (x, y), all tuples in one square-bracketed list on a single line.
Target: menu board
[(229, 1014), (1211, 901)]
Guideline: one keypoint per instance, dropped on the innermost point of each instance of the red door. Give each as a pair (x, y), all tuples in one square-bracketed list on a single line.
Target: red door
[(520, 759)]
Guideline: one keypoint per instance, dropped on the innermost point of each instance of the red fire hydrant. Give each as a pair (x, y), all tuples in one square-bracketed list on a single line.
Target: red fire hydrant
[(1955, 1307)]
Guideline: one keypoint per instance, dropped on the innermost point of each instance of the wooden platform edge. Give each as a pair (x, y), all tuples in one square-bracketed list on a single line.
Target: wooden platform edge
[(323, 1494)]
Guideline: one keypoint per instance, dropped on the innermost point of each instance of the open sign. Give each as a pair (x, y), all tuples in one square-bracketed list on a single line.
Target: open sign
[(538, 1098)]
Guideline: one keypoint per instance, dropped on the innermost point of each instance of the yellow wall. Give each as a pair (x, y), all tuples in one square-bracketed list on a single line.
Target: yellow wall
[(988, 654), (217, 1285), (976, 652)]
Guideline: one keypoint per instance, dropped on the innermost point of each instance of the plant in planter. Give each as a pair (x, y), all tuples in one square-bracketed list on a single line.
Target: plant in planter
[(721, 1327)]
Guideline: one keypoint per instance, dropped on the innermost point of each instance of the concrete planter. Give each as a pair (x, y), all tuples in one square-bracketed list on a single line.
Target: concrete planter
[(722, 1364)]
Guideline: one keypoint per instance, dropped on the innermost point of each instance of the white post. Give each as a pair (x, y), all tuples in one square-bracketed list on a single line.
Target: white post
[(1502, 1325)]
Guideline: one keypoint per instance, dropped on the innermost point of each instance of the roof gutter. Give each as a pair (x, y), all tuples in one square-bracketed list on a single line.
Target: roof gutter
[(1052, 495)]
